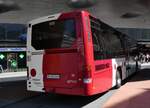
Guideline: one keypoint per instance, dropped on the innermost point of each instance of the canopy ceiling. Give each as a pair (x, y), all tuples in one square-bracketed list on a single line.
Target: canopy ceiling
[(117, 13)]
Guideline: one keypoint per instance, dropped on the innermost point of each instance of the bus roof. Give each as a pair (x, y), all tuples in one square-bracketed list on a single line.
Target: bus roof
[(55, 16)]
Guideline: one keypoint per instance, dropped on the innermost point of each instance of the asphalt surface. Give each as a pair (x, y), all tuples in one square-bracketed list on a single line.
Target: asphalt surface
[(59, 101), (11, 92), (13, 95)]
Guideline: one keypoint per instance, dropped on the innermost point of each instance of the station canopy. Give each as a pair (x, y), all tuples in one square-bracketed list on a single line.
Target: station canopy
[(117, 13), (144, 45)]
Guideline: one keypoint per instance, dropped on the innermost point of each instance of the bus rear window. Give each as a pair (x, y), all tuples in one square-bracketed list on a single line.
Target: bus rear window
[(53, 34)]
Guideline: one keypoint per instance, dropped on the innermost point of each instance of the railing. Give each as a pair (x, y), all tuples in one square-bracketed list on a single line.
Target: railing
[(16, 70)]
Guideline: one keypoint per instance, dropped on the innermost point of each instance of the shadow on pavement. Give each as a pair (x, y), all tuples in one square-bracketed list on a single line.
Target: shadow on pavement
[(143, 74), (138, 100), (15, 95), (134, 94), (60, 101), (13, 91)]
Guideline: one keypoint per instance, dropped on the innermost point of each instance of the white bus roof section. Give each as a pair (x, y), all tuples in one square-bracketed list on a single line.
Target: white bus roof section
[(109, 11), (45, 18)]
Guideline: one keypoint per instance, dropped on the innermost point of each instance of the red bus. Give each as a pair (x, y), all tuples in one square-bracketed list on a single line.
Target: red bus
[(75, 53)]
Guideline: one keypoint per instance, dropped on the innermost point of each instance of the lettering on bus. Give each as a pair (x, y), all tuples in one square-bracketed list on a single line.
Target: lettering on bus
[(102, 66)]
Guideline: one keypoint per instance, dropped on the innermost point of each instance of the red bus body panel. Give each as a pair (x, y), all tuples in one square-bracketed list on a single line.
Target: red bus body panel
[(76, 64), (100, 74), (67, 63), (102, 78)]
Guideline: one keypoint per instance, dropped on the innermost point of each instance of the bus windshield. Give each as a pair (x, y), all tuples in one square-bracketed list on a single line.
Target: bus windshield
[(54, 34)]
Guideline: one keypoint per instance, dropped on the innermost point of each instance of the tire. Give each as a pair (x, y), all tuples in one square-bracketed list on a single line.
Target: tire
[(118, 80)]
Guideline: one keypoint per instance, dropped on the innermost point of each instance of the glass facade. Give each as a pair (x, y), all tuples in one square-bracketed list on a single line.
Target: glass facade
[(12, 48), (13, 61), (11, 31), (136, 33)]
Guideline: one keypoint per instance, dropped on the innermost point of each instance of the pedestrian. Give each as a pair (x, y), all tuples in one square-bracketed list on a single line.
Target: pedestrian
[(147, 57)]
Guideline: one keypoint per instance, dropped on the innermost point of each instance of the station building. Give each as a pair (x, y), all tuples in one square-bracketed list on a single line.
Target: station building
[(127, 18), (12, 47)]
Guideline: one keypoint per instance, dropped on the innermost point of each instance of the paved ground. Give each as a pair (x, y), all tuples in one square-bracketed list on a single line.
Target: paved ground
[(11, 92), (134, 94), (14, 95)]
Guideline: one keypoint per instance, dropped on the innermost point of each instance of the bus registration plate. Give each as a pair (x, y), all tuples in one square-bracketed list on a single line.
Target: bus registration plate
[(53, 76)]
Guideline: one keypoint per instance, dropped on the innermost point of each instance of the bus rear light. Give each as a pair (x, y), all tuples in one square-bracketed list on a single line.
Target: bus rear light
[(87, 72), (87, 80), (87, 68), (33, 72)]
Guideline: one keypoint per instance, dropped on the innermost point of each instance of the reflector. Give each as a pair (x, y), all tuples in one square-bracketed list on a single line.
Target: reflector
[(33, 72)]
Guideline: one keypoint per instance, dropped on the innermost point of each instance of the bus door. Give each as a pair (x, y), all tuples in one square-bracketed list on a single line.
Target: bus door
[(131, 64)]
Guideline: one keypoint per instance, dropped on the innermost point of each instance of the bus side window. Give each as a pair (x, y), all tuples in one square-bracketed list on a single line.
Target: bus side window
[(96, 42), (97, 46), (112, 43), (96, 38)]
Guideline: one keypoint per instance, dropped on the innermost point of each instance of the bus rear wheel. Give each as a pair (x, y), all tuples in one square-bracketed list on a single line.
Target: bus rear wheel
[(118, 80)]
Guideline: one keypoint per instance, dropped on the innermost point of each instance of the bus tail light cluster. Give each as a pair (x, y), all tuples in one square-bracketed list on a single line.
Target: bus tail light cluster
[(87, 70), (87, 74), (33, 72)]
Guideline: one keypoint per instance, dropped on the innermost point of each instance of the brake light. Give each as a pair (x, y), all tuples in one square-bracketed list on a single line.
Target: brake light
[(33, 72), (88, 68)]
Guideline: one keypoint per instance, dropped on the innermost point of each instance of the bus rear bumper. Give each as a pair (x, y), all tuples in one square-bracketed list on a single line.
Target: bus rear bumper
[(66, 91)]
